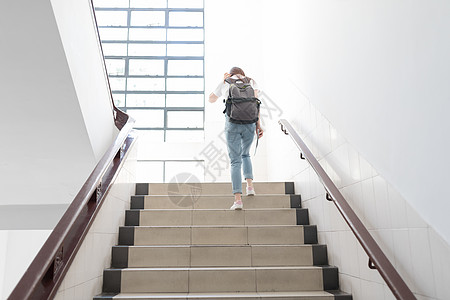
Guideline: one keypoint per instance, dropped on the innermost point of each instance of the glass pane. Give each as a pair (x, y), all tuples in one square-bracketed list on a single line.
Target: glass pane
[(115, 66), (146, 50), (185, 84), (185, 136), (186, 3), (185, 67), (145, 84), (189, 100), (111, 3), (185, 34), (149, 137), (185, 50), (191, 19), (146, 67), (113, 34), (114, 49), (148, 18), (185, 171), (147, 117), (145, 100), (144, 34), (119, 100), (185, 119), (148, 3), (111, 18), (150, 171), (117, 84)]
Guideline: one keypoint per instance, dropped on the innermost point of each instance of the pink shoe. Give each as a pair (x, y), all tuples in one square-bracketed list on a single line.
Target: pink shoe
[(250, 191), (237, 205)]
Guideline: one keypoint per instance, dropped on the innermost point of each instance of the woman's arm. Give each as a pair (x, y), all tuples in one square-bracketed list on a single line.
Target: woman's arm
[(259, 130), (212, 98)]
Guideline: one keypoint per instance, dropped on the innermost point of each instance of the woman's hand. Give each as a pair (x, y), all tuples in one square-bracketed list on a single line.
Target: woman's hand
[(259, 131), (226, 75)]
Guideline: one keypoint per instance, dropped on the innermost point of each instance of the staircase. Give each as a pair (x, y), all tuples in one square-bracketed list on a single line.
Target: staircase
[(183, 242)]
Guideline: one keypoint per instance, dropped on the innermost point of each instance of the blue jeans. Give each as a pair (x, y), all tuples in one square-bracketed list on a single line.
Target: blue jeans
[(239, 139)]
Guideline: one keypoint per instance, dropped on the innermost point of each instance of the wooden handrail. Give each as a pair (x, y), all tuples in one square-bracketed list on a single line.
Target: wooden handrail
[(120, 117), (377, 259), (45, 274)]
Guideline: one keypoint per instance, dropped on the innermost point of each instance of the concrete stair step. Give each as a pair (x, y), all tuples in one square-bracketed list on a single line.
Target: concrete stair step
[(295, 295), (218, 256), (218, 235), (229, 279), (213, 201), (210, 188), (186, 217)]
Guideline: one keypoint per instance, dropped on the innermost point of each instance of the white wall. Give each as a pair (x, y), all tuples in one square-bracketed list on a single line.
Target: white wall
[(81, 45), (56, 121), (415, 249), (18, 255), (47, 149), (385, 67), (362, 82)]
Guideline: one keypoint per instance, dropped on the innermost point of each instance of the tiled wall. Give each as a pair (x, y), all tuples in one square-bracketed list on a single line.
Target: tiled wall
[(85, 277), (418, 253)]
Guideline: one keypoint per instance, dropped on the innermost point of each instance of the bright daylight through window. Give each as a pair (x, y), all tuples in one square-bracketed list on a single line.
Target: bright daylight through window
[(154, 53)]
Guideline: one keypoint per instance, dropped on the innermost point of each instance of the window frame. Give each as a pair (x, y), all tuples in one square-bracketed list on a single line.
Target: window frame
[(165, 58)]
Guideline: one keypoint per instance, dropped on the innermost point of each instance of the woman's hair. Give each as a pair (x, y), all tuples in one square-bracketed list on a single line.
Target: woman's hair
[(236, 70)]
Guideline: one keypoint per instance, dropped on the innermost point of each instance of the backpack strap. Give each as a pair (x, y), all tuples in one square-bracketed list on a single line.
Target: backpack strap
[(257, 140), (245, 80), (230, 80)]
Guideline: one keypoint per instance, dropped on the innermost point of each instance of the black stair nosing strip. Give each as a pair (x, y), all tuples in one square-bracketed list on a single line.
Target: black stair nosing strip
[(330, 276), (339, 295), (137, 202), (132, 217), (120, 256), (310, 234), (126, 235), (112, 279), (320, 255), (289, 188), (296, 201), (302, 216), (142, 188), (105, 296)]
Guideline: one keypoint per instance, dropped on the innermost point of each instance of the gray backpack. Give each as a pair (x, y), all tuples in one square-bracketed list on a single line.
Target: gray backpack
[(241, 106)]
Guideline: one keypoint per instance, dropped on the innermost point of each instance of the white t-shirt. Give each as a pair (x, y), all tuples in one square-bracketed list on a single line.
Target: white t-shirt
[(222, 89)]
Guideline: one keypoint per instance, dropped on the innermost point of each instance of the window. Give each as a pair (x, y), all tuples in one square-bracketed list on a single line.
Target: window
[(169, 171), (154, 54)]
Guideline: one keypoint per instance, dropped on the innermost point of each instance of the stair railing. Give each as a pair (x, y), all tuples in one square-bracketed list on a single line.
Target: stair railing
[(377, 259), (46, 272)]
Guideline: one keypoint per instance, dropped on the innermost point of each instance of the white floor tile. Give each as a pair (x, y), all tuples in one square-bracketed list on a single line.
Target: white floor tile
[(440, 255), (370, 211), (355, 170), (349, 253), (413, 218), (372, 290), (402, 253), (382, 203), (397, 208), (422, 263)]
